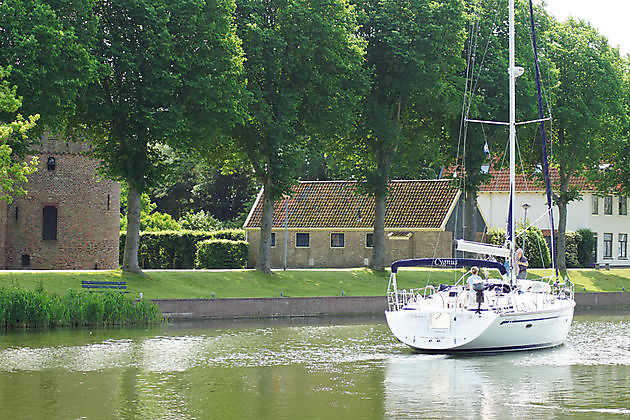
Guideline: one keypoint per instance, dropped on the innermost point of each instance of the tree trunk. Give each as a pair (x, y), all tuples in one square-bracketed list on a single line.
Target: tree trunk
[(132, 240), (562, 222), (378, 252), (470, 218), (264, 247)]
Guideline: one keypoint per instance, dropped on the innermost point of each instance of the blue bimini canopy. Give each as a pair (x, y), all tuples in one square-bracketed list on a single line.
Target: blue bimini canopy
[(447, 263)]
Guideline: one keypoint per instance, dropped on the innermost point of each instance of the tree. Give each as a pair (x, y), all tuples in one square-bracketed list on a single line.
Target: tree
[(169, 73), (13, 171), (414, 48), (587, 109), (304, 77)]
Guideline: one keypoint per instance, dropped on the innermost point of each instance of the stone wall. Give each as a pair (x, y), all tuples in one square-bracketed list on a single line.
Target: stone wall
[(419, 244), (87, 214)]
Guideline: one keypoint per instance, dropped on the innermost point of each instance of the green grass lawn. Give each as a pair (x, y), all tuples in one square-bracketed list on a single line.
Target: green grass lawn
[(248, 283)]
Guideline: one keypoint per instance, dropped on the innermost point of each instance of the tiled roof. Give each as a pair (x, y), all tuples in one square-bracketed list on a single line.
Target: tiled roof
[(417, 204), (501, 182)]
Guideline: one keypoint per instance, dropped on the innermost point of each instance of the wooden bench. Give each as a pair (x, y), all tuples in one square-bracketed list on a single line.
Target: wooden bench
[(101, 286)]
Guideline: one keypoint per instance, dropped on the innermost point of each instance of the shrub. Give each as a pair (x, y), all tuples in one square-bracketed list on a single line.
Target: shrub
[(221, 253), (536, 248), (585, 247), (571, 249), (175, 249)]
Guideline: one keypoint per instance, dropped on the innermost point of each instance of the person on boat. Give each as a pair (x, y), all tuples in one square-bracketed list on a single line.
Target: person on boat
[(474, 277), (522, 264)]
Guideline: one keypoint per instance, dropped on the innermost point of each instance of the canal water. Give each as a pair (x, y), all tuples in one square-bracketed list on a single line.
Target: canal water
[(345, 368)]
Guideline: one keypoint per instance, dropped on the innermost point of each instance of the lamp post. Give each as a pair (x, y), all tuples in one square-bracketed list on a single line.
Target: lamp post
[(525, 207)]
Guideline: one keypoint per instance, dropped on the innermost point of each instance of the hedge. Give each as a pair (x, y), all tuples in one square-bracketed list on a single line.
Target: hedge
[(221, 253), (536, 248), (175, 249)]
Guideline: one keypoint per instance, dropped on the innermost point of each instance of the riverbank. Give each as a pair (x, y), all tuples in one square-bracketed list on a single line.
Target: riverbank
[(335, 305), (200, 284)]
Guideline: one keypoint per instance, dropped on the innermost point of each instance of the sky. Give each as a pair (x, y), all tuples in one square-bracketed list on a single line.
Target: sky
[(610, 17)]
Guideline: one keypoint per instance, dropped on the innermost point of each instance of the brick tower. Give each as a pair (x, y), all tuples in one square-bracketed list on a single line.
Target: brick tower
[(68, 220)]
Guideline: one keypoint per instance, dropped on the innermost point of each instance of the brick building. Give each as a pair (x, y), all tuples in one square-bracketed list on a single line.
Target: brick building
[(68, 220), (329, 225)]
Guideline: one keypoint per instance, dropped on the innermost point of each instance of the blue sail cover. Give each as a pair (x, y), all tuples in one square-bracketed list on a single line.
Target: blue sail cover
[(447, 263)]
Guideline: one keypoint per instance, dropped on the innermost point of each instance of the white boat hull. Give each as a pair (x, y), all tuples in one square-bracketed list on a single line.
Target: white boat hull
[(466, 330)]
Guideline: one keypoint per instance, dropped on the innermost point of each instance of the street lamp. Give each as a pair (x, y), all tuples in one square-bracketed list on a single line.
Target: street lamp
[(525, 207)]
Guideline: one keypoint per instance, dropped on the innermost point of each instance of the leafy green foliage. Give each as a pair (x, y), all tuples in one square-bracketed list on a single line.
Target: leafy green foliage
[(536, 249), (586, 244), (47, 45), (21, 308), (198, 221), (572, 243), (13, 172), (221, 253), (176, 249), (150, 219)]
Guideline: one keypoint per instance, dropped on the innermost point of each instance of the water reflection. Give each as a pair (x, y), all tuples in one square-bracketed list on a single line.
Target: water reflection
[(307, 368)]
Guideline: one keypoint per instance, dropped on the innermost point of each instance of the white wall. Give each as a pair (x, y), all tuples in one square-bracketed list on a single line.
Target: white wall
[(494, 208)]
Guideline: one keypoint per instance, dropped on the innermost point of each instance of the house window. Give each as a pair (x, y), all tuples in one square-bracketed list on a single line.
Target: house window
[(336, 240), (623, 206), (369, 240), (595, 247), (595, 204), (51, 163), (623, 246), (608, 238), (302, 240), (608, 204), (49, 224), (26, 260), (273, 239)]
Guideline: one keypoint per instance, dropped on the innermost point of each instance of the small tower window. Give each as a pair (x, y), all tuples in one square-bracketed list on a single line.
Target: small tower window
[(51, 163), (49, 225), (108, 201), (26, 260), (16, 213)]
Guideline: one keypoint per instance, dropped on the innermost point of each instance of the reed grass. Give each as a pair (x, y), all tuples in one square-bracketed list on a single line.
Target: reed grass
[(24, 308)]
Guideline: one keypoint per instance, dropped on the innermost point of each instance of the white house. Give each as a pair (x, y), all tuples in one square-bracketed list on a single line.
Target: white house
[(606, 216)]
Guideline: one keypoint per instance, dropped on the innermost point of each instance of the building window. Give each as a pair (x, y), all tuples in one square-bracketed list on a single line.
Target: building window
[(108, 200), (608, 238), (623, 206), (302, 240), (51, 163), (595, 247), (16, 213), (369, 240), (623, 246), (26, 260), (336, 240), (608, 204), (49, 225), (273, 239), (595, 205)]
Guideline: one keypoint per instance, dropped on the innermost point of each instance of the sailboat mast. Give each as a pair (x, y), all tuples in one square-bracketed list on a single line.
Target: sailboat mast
[(512, 72)]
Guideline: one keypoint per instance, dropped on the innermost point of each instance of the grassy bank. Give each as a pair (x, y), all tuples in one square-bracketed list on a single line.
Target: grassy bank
[(248, 283)]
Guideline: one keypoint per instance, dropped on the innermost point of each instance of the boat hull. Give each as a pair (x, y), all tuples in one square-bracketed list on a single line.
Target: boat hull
[(466, 330)]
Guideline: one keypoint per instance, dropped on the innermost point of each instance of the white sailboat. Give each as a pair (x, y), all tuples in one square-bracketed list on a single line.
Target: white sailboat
[(502, 314)]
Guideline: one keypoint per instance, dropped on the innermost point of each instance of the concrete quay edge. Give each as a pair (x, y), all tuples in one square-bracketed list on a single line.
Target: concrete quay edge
[(330, 305)]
